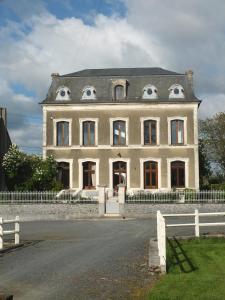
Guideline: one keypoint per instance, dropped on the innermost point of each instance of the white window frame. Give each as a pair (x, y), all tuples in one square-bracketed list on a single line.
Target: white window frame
[(157, 119), (154, 94), (80, 164), (111, 161), (55, 121), (186, 161), (84, 93), (142, 161), (126, 128), (81, 121), (169, 120), (70, 161), (172, 95), (63, 98)]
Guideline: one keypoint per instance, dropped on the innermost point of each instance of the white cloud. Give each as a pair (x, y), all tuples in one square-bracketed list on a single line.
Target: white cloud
[(177, 35)]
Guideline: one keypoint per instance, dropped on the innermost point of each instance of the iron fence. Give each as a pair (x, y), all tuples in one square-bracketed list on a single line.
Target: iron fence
[(44, 197), (208, 196)]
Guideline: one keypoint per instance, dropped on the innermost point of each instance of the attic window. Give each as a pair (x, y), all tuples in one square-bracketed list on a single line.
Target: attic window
[(176, 91), (149, 92), (119, 89), (63, 93), (89, 92)]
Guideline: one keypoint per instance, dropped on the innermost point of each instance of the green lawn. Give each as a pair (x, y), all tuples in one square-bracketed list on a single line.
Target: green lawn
[(200, 273)]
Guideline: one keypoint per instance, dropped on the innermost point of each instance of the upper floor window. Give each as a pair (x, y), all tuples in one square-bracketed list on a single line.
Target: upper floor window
[(150, 135), (89, 133), (119, 133), (176, 91), (89, 92), (177, 132), (63, 93), (119, 89), (149, 92), (62, 134)]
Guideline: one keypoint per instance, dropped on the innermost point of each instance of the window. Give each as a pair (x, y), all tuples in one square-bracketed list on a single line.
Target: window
[(119, 92), (63, 93), (89, 133), (119, 174), (150, 132), (89, 92), (89, 175), (177, 132), (119, 133), (177, 174), (149, 92), (176, 91), (62, 135), (150, 175)]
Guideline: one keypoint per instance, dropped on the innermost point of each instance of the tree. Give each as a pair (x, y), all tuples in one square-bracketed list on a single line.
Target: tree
[(29, 172), (204, 166), (212, 134)]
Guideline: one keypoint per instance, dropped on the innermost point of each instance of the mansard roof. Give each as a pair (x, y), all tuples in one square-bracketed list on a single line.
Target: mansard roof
[(136, 79)]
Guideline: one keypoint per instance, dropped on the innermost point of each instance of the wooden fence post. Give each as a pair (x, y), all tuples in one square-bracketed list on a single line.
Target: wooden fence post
[(1, 233), (17, 231), (196, 223)]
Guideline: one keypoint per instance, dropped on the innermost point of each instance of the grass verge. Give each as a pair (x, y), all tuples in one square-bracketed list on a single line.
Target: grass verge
[(196, 270)]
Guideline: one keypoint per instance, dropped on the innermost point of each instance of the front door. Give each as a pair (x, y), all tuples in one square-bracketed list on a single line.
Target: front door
[(119, 174)]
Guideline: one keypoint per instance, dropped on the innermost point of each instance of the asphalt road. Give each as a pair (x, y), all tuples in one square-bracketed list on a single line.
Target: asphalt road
[(94, 259)]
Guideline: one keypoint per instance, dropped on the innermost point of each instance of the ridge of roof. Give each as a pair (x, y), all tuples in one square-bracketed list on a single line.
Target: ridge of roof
[(121, 72)]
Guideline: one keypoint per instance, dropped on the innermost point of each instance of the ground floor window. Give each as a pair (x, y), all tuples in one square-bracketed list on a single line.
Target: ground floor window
[(64, 174), (89, 175), (177, 174), (150, 175), (119, 173)]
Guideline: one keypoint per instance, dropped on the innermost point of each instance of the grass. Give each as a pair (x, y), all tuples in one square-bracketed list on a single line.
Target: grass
[(196, 270)]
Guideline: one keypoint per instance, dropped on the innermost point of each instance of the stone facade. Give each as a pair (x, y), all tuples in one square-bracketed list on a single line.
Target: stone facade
[(133, 109)]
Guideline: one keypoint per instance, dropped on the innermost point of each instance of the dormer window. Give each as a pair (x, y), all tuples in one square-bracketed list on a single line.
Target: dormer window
[(176, 91), (149, 92), (89, 93), (119, 89), (63, 93)]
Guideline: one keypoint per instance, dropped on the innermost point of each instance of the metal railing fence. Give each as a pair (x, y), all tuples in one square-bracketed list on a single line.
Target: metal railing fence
[(206, 196), (44, 197)]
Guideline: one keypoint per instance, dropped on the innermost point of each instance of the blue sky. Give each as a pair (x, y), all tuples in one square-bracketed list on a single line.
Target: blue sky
[(38, 37)]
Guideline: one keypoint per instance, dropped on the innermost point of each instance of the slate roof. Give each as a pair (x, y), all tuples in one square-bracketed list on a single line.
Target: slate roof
[(137, 79)]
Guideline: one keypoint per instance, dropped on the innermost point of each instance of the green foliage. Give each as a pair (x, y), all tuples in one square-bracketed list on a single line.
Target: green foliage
[(199, 274), (29, 172), (204, 166), (212, 134), (217, 186)]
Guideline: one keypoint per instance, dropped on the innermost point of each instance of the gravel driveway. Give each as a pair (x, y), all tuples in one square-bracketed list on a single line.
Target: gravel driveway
[(95, 259)]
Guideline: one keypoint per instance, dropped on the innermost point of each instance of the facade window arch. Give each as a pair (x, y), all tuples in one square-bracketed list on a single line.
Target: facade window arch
[(62, 132)]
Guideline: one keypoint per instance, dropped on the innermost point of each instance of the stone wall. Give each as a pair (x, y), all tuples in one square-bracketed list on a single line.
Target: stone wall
[(34, 212), (149, 210)]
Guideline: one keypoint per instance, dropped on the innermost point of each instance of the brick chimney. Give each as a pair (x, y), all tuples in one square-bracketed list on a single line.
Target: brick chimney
[(189, 74)]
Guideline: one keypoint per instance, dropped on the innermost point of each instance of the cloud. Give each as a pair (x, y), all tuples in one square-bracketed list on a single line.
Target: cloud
[(177, 35)]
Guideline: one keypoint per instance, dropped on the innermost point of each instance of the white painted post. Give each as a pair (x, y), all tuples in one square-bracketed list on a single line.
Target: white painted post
[(121, 193), (196, 223), (17, 231), (163, 245), (158, 230), (1, 233)]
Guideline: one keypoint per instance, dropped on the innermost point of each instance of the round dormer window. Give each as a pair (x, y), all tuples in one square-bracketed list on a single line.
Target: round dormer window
[(63, 93), (176, 91), (149, 92), (89, 92)]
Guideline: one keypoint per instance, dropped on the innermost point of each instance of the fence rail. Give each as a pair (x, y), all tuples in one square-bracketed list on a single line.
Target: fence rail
[(161, 229), (15, 232), (46, 197), (209, 196)]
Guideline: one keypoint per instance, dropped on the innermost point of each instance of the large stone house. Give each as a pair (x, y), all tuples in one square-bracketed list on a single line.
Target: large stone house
[(136, 126)]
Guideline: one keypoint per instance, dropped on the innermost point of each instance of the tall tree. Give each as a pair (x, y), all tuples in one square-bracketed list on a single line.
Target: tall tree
[(212, 134)]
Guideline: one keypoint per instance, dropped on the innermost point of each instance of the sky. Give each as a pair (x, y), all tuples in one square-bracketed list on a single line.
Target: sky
[(39, 37)]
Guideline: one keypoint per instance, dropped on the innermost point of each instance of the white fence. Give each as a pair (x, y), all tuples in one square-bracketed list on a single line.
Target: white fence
[(161, 229), (15, 232)]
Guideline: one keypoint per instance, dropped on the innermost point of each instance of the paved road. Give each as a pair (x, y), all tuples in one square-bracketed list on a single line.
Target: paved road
[(102, 259)]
